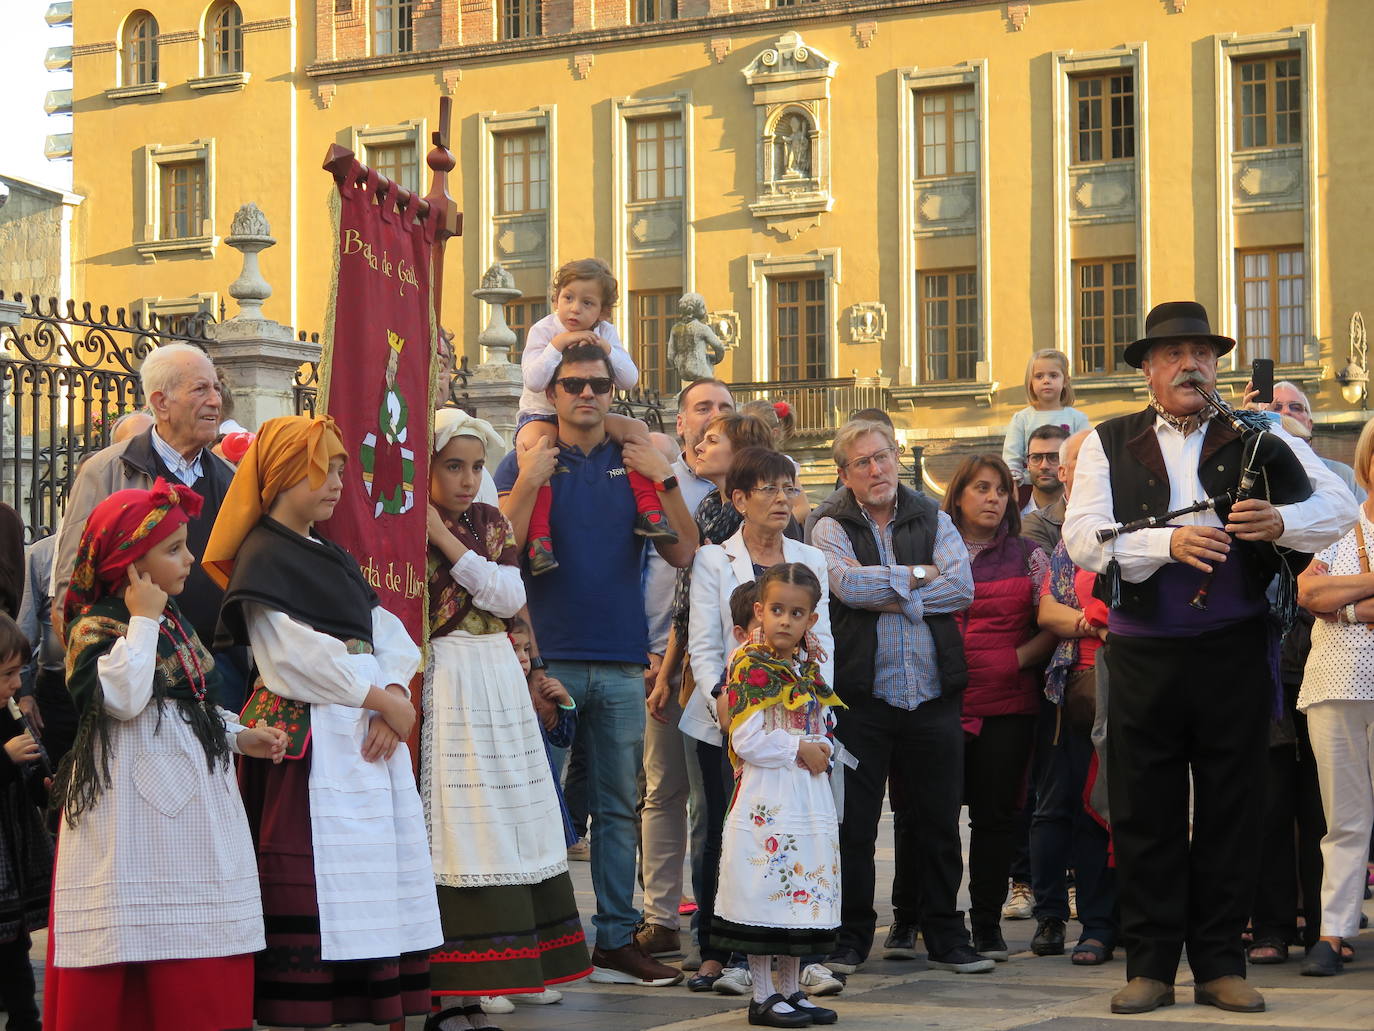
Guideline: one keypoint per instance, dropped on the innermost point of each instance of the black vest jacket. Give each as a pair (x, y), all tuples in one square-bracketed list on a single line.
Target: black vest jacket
[(856, 630), (1140, 487)]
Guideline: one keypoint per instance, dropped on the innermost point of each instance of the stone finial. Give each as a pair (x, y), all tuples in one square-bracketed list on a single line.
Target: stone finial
[(250, 221), (497, 289), (248, 234), (497, 277)]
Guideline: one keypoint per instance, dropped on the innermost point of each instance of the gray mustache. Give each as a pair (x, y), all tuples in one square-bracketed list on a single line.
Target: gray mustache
[(1189, 376)]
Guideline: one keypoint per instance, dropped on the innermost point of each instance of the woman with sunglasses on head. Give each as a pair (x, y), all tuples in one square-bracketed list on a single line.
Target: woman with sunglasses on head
[(759, 488)]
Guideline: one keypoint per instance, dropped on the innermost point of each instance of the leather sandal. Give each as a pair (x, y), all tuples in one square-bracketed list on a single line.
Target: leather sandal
[(1279, 946), (1099, 952), (703, 982)]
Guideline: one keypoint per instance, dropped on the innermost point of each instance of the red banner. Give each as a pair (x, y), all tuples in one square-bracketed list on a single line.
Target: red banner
[(375, 381)]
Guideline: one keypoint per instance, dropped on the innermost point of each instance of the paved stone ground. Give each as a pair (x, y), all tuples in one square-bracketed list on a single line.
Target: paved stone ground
[(1045, 993)]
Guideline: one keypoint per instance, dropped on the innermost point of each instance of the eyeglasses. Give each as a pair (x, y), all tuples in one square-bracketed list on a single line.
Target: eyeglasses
[(773, 490), (1294, 407), (574, 385), (883, 457), (1043, 458)]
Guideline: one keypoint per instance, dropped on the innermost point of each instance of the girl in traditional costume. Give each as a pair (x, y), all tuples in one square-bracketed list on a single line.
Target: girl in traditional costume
[(346, 885), (779, 887), (500, 858), (156, 911)]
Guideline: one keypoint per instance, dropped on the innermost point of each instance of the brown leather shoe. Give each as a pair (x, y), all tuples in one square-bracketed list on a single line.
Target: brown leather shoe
[(1229, 993), (658, 941), (1141, 995), (630, 964)]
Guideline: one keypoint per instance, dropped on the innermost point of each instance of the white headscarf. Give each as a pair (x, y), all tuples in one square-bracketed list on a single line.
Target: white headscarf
[(454, 422)]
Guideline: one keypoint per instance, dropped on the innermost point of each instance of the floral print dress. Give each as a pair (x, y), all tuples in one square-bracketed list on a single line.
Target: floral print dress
[(779, 887)]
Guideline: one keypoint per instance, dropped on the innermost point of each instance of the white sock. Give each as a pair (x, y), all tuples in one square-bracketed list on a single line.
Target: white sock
[(457, 1022), (789, 974), (761, 969)]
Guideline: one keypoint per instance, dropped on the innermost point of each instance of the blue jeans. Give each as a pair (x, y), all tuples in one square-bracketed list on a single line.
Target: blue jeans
[(610, 726)]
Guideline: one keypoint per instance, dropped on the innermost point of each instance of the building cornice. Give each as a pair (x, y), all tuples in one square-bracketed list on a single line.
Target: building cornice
[(824, 11)]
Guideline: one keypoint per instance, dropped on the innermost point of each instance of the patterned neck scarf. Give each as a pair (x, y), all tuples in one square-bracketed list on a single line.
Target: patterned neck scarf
[(1185, 424)]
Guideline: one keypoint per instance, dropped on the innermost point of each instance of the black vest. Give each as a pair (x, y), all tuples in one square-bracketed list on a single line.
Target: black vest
[(856, 630), (1140, 487)]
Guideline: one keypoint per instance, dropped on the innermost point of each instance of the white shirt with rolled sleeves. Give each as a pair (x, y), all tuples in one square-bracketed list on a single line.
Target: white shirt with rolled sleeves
[(540, 361), (1308, 526)]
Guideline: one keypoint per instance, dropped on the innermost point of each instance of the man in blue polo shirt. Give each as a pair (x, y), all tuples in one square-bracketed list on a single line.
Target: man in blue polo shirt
[(590, 629)]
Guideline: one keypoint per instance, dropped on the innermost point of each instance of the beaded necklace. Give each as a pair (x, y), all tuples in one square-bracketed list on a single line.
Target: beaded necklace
[(196, 676)]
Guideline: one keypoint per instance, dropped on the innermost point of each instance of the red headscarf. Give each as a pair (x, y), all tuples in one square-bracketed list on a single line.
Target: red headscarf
[(122, 529)]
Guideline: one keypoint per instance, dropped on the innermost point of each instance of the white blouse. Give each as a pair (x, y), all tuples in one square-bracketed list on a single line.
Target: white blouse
[(1340, 666)]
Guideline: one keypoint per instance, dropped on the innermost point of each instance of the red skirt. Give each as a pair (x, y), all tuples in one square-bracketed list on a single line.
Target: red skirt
[(213, 994)]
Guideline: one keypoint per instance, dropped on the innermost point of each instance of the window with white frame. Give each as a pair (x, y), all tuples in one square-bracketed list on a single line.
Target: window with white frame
[(179, 199), (138, 53), (224, 39), (950, 348), (1105, 313), (395, 27)]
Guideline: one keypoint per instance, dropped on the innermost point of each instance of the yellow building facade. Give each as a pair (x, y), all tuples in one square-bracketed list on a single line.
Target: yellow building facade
[(884, 202)]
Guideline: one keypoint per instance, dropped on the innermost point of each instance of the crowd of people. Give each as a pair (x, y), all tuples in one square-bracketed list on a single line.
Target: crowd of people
[(1149, 684)]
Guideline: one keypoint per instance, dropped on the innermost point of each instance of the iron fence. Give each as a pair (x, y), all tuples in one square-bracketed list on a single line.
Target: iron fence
[(66, 374), (306, 386), (819, 406)]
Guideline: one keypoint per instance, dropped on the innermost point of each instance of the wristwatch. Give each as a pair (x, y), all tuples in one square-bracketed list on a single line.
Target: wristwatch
[(918, 574), (537, 664), (669, 484)]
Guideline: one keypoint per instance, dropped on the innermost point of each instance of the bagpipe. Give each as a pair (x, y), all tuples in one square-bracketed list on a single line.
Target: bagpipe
[(1269, 471)]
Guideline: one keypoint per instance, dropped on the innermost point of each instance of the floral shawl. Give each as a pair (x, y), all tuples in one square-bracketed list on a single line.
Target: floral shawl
[(759, 679), (1062, 570), (486, 531)]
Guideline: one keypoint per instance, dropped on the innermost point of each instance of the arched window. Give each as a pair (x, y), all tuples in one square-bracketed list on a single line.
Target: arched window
[(224, 40), (140, 49)]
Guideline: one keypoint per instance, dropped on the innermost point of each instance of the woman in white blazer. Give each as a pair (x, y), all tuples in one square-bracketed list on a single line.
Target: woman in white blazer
[(761, 486)]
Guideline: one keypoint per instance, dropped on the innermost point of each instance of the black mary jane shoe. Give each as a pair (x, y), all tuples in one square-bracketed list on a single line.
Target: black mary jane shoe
[(818, 1014), (763, 1014)]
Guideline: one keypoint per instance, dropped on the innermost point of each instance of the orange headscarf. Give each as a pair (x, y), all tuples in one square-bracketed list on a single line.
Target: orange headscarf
[(286, 450)]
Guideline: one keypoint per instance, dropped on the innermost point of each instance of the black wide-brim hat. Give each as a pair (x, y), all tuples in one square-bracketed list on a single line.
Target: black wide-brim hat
[(1176, 320)]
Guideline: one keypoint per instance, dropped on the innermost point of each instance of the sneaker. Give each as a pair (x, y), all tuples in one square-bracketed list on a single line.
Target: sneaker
[(654, 525), (735, 981), (818, 979), (658, 941), (991, 944), (962, 960), (1021, 904), (630, 964), (901, 941), (580, 851), (545, 998), (540, 553), (844, 961), (496, 1004), (1073, 902)]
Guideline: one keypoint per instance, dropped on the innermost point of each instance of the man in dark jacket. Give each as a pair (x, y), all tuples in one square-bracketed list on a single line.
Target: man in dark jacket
[(898, 572)]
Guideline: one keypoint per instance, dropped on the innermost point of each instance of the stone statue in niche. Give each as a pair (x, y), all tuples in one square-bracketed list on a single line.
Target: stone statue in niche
[(792, 148), (694, 347)]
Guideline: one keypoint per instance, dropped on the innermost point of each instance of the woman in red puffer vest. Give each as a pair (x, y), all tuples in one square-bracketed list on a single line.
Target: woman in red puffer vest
[(1006, 653)]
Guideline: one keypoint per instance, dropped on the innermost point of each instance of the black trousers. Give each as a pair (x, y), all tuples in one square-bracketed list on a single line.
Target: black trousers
[(996, 763), (17, 985), (1198, 704), (1285, 864), (924, 749), (717, 785)]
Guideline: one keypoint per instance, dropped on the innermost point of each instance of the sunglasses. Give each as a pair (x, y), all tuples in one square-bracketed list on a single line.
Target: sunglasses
[(574, 385)]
